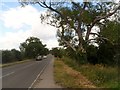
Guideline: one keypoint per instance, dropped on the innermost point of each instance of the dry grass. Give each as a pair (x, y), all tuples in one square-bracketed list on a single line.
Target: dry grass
[(101, 76), (67, 77)]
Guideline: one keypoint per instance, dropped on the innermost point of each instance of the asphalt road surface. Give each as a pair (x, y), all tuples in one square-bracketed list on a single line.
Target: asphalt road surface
[(23, 75)]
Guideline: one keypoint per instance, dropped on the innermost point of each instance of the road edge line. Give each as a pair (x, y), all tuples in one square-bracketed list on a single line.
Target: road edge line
[(38, 76)]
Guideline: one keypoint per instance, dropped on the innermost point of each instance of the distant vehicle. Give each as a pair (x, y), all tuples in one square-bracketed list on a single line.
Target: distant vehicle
[(39, 58), (44, 57)]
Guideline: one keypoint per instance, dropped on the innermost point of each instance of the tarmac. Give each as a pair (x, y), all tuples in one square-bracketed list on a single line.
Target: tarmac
[(46, 79)]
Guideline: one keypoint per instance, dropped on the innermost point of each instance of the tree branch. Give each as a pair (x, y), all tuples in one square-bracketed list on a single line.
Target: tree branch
[(41, 5), (103, 17), (68, 44), (52, 9), (97, 20), (96, 34), (99, 38)]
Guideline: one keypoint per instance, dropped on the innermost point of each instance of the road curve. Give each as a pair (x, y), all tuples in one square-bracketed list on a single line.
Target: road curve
[(23, 75)]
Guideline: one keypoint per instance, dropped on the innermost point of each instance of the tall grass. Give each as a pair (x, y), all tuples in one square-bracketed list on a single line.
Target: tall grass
[(62, 77), (99, 75)]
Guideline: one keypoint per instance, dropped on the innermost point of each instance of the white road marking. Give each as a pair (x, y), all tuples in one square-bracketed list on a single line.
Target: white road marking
[(27, 66), (38, 76), (18, 69), (7, 74)]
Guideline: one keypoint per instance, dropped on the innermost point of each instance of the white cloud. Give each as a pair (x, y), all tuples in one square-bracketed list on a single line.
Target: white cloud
[(17, 19), (13, 40)]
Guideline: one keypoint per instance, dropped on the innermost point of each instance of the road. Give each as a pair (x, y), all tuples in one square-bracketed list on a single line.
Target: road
[(23, 75)]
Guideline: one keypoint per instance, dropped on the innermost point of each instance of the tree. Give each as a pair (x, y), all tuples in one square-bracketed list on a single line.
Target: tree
[(33, 47), (11, 56), (75, 21), (17, 54), (111, 31), (106, 53), (56, 52), (6, 56), (45, 51)]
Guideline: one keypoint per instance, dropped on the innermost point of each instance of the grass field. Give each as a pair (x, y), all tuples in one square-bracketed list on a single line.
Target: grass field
[(100, 76)]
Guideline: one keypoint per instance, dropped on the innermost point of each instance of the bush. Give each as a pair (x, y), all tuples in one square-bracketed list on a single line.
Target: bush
[(6, 56), (11, 56), (57, 52), (105, 53), (92, 54)]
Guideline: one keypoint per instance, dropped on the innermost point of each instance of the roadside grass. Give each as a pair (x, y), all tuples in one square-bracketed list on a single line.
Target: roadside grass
[(61, 77), (13, 63), (69, 78), (99, 75)]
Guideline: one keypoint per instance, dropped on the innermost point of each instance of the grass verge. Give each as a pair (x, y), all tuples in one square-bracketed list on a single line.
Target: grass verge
[(100, 76), (13, 63), (69, 78)]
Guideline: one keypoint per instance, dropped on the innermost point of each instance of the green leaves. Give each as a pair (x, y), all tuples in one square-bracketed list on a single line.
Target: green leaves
[(11, 56), (111, 31), (87, 17), (33, 47)]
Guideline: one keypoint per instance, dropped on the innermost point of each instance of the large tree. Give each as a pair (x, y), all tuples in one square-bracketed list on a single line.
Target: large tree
[(33, 47), (76, 21)]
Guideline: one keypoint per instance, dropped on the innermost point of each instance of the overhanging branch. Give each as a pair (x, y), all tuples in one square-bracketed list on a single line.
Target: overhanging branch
[(68, 44), (49, 7), (96, 34), (98, 19), (98, 38)]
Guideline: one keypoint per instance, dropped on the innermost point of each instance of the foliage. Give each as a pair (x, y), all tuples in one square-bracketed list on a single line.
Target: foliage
[(75, 22), (17, 54), (77, 56), (111, 31), (92, 54), (11, 55), (29, 49), (106, 53), (33, 47), (57, 52), (103, 54)]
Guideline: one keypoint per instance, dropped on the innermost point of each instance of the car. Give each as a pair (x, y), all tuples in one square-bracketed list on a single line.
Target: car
[(39, 58), (44, 57)]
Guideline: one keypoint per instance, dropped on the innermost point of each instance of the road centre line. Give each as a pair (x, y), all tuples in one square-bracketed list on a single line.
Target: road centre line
[(14, 71), (7, 74), (27, 66)]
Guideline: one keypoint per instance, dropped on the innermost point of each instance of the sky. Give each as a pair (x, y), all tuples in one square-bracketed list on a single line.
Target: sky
[(18, 23)]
